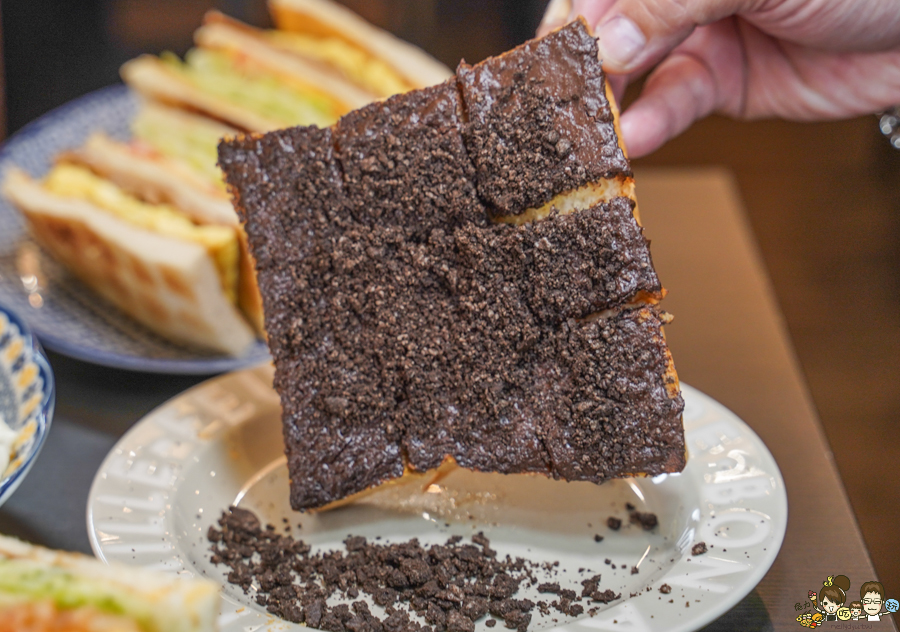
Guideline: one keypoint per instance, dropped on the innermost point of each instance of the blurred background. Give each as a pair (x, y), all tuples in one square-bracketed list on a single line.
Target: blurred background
[(823, 200)]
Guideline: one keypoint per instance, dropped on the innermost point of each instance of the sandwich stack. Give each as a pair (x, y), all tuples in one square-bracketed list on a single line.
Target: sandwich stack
[(43, 590)]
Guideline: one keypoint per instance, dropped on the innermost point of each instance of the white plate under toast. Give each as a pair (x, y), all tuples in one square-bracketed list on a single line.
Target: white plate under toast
[(169, 479)]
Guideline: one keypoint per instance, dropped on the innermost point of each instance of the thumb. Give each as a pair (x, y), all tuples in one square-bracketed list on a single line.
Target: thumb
[(635, 34)]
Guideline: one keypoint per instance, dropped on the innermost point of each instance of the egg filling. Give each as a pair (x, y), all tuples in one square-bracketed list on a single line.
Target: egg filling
[(221, 242)]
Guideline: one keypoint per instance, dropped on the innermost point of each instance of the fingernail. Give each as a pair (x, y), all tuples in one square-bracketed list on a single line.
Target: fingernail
[(556, 15), (620, 41)]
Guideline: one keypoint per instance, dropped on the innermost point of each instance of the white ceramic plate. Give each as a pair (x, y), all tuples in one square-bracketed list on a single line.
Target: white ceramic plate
[(172, 475)]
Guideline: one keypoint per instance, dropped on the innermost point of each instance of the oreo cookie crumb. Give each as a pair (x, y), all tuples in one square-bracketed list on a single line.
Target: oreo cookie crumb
[(373, 240), (598, 537), (613, 523), (699, 548), (606, 596), (647, 520), (590, 586), (449, 586)]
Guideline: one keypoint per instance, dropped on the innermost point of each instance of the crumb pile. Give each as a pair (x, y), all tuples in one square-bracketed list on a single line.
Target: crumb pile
[(450, 586)]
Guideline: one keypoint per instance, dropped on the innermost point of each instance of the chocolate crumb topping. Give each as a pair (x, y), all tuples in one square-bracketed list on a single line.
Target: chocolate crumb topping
[(590, 586), (665, 589), (613, 523), (406, 328), (699, 548), (450, 586), (539, 122), (598, 537), (647, 520), (436, 588), (606, 596)]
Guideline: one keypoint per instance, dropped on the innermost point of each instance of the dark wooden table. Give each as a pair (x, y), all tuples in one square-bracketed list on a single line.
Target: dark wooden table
[(728, 339)]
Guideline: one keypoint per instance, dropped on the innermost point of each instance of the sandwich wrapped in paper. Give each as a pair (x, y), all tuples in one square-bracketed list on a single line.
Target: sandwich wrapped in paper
[(47, 591)]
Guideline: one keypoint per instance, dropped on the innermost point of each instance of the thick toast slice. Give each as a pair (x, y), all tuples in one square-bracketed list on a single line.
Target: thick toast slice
[(410, 327)]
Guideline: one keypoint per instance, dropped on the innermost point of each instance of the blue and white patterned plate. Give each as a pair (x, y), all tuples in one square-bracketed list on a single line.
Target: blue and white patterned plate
[(66, 316), (27, 396)]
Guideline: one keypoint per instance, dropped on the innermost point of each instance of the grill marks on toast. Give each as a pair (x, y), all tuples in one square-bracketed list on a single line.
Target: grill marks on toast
[(408, 328)]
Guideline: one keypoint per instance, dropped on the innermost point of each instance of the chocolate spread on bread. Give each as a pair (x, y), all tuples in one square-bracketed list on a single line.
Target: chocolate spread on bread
[(407, 328), (538, 121)]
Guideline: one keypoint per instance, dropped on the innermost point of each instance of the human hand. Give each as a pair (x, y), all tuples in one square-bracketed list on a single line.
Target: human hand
[(794, 59)]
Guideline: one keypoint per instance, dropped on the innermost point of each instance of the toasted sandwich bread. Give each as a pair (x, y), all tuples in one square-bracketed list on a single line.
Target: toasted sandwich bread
[(158, 180), (309, 75), (155, 180), (324, 19), (260, 80), (168, 284), (185, 138), (167, 82), (51, 591)]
